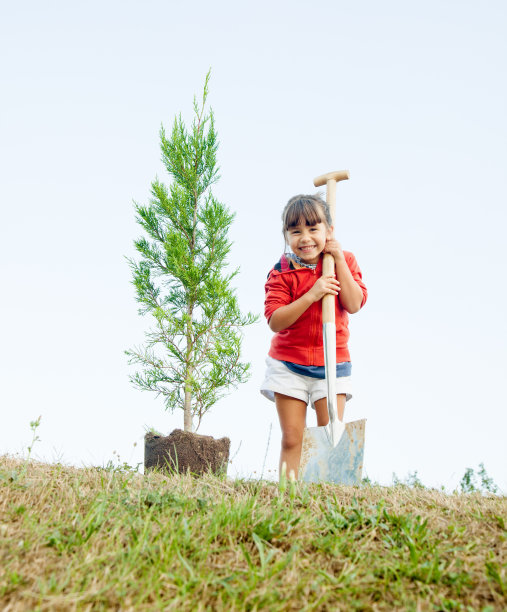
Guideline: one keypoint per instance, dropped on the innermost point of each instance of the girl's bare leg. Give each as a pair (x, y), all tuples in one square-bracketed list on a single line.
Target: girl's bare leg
[(292, 415), (321, 409)]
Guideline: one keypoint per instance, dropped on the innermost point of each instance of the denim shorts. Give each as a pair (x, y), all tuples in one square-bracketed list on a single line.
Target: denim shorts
[(279, 379)]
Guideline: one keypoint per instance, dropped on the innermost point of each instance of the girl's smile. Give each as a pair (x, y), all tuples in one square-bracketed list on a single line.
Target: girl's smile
[(308, 241)]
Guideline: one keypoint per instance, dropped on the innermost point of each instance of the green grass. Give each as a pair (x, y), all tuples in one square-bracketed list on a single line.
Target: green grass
[(112, 539)]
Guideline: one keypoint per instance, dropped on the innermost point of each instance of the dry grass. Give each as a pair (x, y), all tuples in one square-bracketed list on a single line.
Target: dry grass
[(95, 539)]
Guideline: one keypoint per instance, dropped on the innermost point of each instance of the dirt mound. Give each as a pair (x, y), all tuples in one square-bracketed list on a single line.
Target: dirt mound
[(183, 451)]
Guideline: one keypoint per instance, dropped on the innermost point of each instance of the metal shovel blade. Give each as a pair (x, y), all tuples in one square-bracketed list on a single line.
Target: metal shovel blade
[(334, 452), (340, 464)]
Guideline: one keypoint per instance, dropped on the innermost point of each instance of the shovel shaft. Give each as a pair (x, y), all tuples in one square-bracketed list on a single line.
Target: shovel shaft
[(328, 305), (328, 267), (329, 333), (328, 301)]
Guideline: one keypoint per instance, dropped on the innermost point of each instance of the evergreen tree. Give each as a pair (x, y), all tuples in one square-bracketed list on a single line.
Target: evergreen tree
[(192, 355)]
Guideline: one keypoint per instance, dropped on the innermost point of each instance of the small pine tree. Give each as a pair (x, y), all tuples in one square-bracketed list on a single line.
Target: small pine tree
[(192, 357)]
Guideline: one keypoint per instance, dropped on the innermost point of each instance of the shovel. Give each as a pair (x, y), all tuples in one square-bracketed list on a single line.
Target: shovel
[(334, 452)]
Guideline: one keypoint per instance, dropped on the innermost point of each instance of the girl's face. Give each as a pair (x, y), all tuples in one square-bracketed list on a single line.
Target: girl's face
[(308, 241)]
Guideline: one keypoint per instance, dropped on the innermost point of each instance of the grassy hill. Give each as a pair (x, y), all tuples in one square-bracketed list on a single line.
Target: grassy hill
[(112, 539)]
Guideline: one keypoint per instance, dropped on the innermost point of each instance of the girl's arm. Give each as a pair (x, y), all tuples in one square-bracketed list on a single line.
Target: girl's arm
[(351, 294), (285, 316)]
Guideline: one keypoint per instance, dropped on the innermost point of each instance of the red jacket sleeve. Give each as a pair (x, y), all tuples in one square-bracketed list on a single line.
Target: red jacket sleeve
[(355, 270), (278, 290)]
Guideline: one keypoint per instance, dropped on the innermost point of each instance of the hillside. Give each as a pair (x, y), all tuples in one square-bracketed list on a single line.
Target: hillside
[(112, 539)]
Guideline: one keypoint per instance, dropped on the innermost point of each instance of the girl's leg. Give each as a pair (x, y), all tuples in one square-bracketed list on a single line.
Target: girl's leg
[(321, 409), (292, 415)]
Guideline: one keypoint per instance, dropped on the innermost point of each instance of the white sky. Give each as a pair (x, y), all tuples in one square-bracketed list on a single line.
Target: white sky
[(410, 97)]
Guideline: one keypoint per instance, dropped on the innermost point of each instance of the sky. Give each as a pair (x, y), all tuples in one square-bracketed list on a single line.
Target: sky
[(410, 97)]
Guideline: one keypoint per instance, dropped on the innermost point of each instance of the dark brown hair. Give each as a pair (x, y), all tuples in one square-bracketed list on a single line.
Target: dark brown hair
[(310, 209)]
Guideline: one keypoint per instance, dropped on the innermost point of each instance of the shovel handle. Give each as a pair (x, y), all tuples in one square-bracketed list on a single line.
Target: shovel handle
[(330, 179), (328, 309)]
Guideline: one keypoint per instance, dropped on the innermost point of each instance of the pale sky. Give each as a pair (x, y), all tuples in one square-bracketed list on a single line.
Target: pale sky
[(410, 97)]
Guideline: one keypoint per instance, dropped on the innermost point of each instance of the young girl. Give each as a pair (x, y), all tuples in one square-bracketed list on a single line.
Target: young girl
[(295, 373)]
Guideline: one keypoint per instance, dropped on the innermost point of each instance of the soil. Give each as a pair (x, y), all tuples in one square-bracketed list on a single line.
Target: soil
[(183, 451)]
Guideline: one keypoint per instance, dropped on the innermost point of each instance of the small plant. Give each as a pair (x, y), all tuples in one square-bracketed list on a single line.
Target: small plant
[(292, 485), (152, 431), (487, 483), (469, 483), (282, 484), (34, 425), (192, 357), (413, 480), (396, 480)]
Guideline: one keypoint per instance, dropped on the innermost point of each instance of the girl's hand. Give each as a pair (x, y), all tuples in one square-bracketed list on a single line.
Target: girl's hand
[(334, 248), (323, 286)]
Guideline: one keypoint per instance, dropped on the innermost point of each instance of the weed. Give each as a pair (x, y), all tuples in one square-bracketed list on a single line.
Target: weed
[(153, 431), (19, 474), (487, 483), (413, 480), (470, 484), (497, 574), (34, 425)]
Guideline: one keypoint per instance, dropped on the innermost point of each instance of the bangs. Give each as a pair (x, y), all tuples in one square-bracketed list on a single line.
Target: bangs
[(303, 210)]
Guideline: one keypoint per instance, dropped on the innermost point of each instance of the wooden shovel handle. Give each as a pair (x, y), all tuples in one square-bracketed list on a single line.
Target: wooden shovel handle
[(337, 175), (328, 309), (330, 179)]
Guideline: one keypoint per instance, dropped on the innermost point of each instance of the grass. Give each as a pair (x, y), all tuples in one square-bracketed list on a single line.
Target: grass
[(112, 539)]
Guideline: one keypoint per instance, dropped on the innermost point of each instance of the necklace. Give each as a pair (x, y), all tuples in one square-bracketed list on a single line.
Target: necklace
[(302, 263)]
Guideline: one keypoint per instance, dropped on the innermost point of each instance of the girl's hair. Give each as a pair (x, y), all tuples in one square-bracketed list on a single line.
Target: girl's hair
[(310, 209)]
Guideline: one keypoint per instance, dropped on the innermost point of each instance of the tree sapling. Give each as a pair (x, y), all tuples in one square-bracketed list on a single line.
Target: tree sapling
[(192, 356)]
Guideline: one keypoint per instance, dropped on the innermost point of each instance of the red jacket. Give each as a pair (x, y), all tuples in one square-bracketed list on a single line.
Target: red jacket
[(302, 341)]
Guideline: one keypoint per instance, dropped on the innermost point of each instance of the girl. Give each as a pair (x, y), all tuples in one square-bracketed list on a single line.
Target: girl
[(295, 373)]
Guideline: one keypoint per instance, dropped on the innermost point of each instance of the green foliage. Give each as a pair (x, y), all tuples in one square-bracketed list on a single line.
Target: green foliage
[(192, 356), (468, 482), (480, 482), (19, 475), (411, 480), (34, 425), (487, 483)]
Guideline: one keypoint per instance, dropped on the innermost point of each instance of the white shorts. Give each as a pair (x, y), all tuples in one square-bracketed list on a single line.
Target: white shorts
[(279, 379)]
